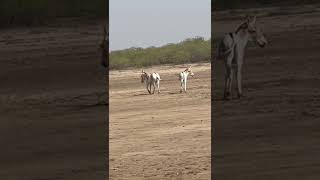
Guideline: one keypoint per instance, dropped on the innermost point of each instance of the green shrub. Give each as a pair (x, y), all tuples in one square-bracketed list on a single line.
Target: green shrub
[(190, 50)]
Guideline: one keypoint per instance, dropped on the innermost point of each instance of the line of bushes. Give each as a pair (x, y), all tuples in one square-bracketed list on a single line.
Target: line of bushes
[(188, 51)]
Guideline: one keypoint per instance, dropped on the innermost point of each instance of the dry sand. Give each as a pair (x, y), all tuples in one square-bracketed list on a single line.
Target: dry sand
[(160, 136)]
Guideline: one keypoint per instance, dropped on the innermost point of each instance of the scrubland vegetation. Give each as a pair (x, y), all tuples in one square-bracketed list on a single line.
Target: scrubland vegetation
[(188, 51)]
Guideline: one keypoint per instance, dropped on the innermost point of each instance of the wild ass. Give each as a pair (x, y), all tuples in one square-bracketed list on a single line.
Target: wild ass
[(231, 50), (104, 47), (152, 79), (183, 77)]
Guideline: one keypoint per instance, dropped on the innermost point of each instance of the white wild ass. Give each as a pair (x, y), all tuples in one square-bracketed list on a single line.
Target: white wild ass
[(183, 77), (152, 79), (232, 48)]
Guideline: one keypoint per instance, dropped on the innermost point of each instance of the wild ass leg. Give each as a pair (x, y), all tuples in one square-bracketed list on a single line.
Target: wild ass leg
[(147, 86), (228, 82), (239, 80), (185, 85), (154, 87), (158, 84), (181, 84), (150, 92), (228, 77)]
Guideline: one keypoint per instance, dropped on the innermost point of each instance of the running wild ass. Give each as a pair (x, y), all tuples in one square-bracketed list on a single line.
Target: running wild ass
[(232, 49), (152, 79), (183, 76)]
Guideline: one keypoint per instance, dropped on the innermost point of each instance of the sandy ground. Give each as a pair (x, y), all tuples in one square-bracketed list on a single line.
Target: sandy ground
[(53, 102), (273, 132), (160, 136)]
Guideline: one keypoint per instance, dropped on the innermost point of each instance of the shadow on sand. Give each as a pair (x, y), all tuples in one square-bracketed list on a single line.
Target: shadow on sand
[(172, 93), (142, 94)]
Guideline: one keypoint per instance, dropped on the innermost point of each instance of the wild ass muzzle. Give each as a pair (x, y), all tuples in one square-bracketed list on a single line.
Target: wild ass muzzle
[(151, 80), (183, 77), (232, 49)]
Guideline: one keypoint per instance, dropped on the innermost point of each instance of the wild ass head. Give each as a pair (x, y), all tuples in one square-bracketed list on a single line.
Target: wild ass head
[(144, 76), (255, 33), (189, 70)]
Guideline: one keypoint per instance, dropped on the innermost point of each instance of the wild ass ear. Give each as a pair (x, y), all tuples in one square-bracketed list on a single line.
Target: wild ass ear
[(247, 19), (250, 19)]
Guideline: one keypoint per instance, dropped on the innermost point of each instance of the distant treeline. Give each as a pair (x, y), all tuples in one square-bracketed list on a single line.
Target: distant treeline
[(37, 11), (234, 4), (188, 51)]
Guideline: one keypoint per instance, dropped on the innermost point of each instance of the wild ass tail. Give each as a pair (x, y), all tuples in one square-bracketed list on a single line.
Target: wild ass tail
[(222, 51)]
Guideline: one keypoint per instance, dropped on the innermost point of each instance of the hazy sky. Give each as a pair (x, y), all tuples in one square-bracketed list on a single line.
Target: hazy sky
[(144, 23)]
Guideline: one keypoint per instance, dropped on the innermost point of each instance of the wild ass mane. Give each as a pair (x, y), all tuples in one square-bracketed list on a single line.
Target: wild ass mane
[(242, 26)]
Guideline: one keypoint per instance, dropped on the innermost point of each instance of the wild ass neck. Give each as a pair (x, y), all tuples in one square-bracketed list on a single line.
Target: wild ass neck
[(243, 38), (242, 35)]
